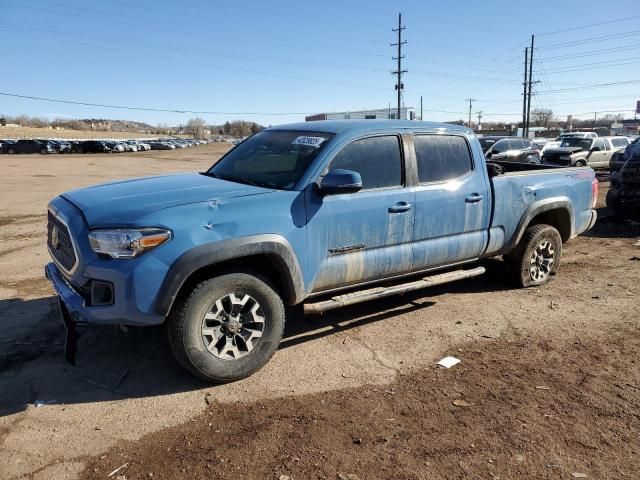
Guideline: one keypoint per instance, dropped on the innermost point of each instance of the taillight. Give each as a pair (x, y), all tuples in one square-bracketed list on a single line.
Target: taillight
[(594, 192)]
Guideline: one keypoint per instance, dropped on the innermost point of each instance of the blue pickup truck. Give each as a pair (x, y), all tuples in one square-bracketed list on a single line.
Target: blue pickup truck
[(322, 214)]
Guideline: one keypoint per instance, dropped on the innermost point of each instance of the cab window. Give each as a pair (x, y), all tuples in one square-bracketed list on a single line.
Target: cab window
[(378, 160), (442, 157)]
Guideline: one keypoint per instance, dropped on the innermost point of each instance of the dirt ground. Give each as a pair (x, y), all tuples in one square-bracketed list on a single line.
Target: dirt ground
[(548, 386)]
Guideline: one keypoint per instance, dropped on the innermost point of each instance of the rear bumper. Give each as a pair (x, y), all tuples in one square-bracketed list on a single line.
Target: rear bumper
[(123, 311), (592, 222)]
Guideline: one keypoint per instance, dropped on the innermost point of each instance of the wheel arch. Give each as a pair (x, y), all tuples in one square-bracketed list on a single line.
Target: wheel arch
[(269, 255), (556, 212)]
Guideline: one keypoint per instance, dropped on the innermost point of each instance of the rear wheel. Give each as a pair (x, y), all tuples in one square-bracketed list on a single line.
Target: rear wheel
[(536, 258), (11, 151), (228, 327)]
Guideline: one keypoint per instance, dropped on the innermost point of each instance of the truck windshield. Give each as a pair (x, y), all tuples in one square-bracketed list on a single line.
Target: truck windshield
[(271, 159), (584, 143)]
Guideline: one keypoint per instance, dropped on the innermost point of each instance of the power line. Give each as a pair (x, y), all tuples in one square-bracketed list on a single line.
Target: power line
[(591, 40), (594, 66), (592, 53), (146, 109), (607, 22), (597, 85)]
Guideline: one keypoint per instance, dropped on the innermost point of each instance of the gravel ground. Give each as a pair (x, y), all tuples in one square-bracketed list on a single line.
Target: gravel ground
[(319, 409)]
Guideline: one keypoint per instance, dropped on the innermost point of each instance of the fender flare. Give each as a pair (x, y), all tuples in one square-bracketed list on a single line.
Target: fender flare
[(535, 209), (276, 246)]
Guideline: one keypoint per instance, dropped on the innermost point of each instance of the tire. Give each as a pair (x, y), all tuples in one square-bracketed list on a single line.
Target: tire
[(11, 151), (205, 346), (580, 163), (542, 244)]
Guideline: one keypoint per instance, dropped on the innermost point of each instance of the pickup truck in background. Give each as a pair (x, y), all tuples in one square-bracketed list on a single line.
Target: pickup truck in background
[(323, 214), (583, 151)]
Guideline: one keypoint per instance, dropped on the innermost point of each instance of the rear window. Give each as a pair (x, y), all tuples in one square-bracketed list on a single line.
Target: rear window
[(619, 142), (442, 157)]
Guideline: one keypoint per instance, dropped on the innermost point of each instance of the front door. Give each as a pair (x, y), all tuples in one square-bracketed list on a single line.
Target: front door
[(599, 158), (452, 202), (362, 236)]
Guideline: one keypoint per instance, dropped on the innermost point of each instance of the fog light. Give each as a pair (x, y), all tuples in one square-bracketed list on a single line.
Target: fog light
[(101, 293)]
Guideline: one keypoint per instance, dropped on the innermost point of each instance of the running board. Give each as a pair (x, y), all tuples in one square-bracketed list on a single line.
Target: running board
[(381, 292)]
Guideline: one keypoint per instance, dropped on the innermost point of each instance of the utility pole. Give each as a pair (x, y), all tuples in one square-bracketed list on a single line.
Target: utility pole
[(530, 84), (421, 118), (399, 71), (470, 100), (480, 120), (524, 93)]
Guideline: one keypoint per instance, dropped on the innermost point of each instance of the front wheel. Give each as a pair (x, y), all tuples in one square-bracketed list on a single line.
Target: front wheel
[(228, 327), (536, 258), (581, 163)]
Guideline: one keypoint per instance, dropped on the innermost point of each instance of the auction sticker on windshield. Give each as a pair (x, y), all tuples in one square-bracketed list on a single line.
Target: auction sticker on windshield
[(314, 142)]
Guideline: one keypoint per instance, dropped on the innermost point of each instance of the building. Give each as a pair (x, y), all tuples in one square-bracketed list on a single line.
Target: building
[(406, 113)]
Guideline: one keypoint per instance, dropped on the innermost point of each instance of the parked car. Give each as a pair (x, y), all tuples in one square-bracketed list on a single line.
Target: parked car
[(92, 146), (577, 135), (61, 146), (311, 213), (143, 146), (583, 151), (31, 146), (4, 145), (512, 149), (160, 146), (620, 157), (623, 196)]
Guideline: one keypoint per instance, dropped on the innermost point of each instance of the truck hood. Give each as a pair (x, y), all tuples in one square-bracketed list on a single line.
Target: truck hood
[(563, 150), (121, 203)]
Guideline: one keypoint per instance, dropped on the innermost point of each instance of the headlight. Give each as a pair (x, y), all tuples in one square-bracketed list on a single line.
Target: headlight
[(127, 243)]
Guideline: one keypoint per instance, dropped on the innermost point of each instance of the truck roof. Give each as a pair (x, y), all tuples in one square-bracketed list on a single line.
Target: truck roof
[(339, 126)]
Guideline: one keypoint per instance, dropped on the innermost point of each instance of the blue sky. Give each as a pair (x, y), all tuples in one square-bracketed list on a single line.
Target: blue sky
[(307, 57)]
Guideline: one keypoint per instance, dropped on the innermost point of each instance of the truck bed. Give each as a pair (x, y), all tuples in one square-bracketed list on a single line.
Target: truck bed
[(525, 188)]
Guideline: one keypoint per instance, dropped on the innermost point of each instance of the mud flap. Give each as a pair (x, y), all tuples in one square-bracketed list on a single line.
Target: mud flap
[(71, 338)]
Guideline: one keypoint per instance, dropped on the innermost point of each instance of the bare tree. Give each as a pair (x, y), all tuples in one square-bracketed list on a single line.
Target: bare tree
[(542, 117), (196, 127)]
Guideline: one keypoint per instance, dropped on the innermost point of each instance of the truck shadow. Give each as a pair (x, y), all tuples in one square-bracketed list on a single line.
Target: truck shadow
[(610, 225), (113, 365)]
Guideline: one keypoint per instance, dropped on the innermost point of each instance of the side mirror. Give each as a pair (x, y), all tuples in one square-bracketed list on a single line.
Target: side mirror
[(596, 149), (488, 154), (340, 181)]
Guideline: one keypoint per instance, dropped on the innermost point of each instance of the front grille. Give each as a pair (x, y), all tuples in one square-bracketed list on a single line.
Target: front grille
[(60, 244)]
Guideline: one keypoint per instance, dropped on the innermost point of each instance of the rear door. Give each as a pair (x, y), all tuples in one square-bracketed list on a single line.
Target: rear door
[(362, 236), (452, 202)]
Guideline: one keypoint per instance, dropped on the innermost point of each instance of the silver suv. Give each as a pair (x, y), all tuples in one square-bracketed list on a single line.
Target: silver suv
[(581, 152)]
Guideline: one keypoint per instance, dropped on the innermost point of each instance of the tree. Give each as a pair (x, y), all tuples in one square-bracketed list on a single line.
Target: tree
[(196, 127), (227, 128), (3, 121), (542, 117)]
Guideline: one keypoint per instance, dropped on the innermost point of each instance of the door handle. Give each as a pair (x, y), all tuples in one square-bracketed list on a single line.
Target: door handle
[(400, 207), (474, 198)]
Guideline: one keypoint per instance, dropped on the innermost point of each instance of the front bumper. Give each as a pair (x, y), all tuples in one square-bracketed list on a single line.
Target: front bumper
[(123, 311)]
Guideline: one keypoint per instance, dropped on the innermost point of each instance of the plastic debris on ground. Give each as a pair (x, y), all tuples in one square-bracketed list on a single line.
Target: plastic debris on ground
[(448, 362)]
